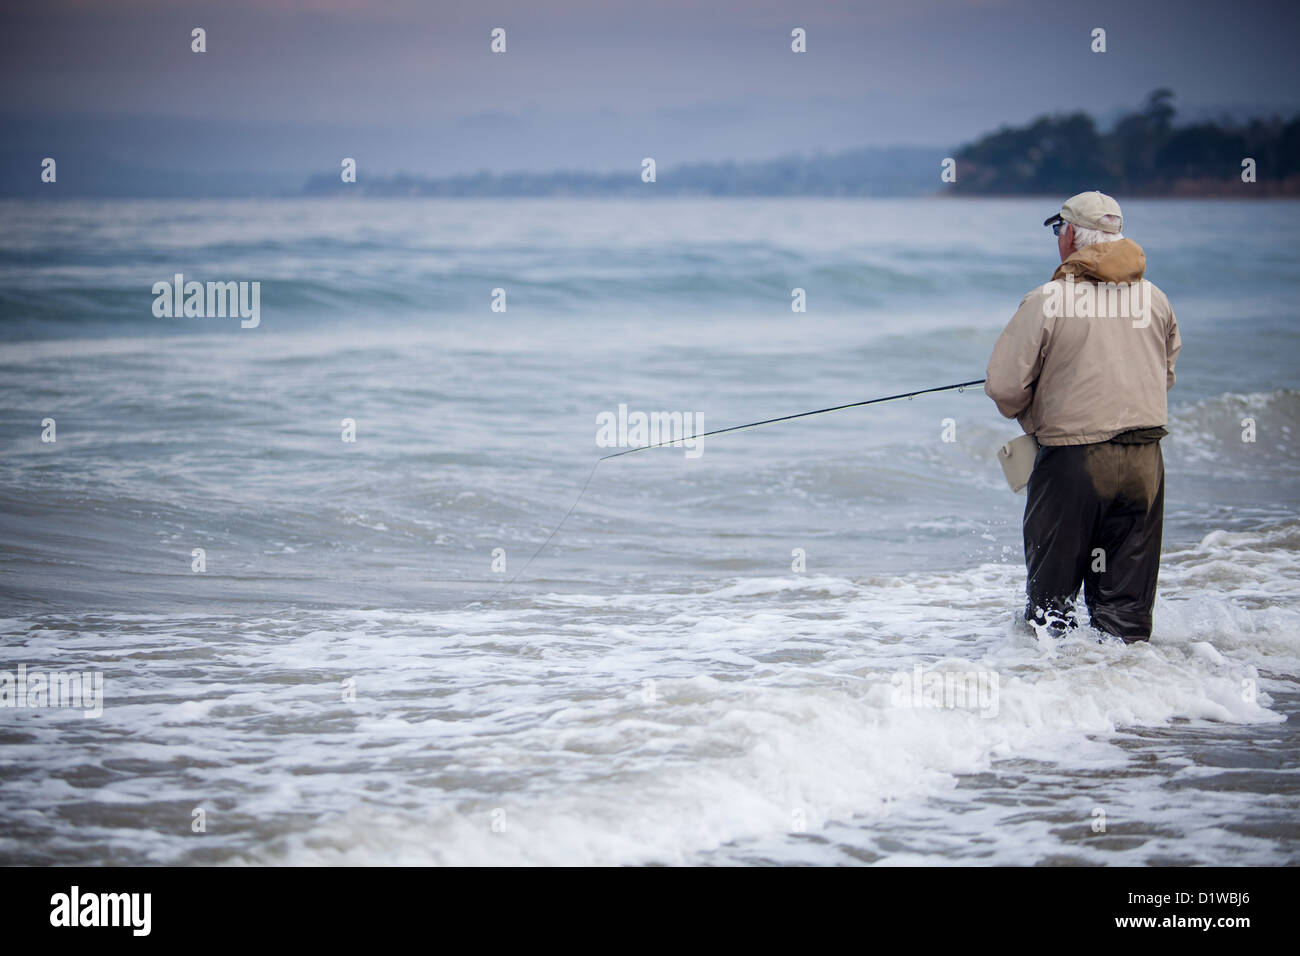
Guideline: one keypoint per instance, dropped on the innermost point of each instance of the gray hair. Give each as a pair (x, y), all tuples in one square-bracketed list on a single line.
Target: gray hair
[(1088, 237)]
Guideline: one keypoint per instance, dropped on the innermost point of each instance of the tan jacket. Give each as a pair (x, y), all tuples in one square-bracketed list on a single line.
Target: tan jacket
[(1089, 354)]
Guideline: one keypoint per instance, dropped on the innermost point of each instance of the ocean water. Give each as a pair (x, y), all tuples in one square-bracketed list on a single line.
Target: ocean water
[(707, 665)]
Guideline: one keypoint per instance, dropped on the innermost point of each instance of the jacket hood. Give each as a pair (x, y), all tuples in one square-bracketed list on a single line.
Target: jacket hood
[(1120, 261)]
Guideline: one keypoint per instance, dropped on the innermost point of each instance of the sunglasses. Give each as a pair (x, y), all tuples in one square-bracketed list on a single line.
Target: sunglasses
[(1057, 227)]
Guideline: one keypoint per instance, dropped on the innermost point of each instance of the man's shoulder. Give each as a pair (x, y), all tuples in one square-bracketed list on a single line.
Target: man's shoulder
[(1157, 294), (1041, 293)]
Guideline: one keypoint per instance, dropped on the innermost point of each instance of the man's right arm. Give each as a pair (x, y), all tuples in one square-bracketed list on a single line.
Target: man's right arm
[(1018, 357), (1173, 345)]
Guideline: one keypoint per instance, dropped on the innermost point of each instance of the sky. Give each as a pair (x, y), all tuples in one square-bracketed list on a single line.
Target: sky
[(290, 86)]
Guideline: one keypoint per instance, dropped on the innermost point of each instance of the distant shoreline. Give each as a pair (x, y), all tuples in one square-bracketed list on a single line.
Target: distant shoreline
[(1144, 156)]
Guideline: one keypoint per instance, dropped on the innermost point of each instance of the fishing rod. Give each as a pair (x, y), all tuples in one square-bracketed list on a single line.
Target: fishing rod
[(958, 387)]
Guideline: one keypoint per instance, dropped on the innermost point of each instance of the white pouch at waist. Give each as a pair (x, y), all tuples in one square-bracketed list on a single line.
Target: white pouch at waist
[(1017, 460)]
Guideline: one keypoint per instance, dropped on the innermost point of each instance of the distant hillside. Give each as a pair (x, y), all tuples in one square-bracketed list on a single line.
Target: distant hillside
[(898, 171), (1144, 154)]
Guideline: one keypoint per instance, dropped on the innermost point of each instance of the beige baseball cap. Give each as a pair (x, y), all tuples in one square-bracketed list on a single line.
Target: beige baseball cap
[(1086, 210)]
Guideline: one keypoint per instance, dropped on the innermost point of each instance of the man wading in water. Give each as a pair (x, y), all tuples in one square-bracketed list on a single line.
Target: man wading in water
[(1084, 364)]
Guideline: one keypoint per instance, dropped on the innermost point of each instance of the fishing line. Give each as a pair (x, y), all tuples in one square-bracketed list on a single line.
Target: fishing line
[(959, 387)]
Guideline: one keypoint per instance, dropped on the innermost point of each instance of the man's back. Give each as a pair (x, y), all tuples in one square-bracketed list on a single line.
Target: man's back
[(1089, 354)]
